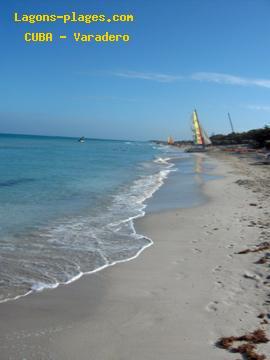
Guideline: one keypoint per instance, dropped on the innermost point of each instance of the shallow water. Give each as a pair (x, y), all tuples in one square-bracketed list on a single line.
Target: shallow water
[(67, 208), (183, 188)]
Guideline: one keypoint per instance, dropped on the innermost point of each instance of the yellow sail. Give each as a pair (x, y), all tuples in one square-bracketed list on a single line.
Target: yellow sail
[(200, 136), (196, 129)]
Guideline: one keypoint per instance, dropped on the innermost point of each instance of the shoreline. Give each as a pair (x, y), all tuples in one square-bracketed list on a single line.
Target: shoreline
[(150, 308), (162, 175)]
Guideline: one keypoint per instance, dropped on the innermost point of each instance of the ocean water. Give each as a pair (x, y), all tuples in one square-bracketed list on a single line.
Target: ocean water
[(67, 208)]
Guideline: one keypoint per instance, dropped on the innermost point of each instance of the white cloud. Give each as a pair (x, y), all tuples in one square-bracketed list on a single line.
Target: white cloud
[(230, 79), (258, 107), (213, 77), (149, 76), (107, 97)]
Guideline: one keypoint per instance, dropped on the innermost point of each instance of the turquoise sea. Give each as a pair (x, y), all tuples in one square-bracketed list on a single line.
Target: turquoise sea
[(67, 208)]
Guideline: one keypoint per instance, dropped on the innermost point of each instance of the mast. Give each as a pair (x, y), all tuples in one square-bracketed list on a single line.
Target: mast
[(229, 116)]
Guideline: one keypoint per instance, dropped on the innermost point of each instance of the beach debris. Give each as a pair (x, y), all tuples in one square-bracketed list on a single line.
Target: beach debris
[(243, 182), (252, 204), (252, 276), (247, 350), (264, 259), (263, 316), (260, 247), (244, 251)]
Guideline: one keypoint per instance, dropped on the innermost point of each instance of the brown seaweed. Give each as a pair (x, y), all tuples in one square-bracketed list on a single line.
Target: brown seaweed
[(261, 247), (262, 260), (248, 350)]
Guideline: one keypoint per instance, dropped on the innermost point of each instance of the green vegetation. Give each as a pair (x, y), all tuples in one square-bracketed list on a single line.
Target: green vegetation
[(256, 138)]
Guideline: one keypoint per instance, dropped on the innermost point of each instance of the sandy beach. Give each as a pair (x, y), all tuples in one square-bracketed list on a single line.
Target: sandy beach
[(172, 302)]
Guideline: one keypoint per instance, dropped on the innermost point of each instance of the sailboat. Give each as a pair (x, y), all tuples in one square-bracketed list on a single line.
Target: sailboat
[(201, 139), (81, 139), (170, 140)]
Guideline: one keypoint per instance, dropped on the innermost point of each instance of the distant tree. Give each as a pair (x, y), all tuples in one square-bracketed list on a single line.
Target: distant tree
[(256, 138)]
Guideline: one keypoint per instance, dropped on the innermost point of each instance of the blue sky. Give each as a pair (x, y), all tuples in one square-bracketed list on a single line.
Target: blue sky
[(212, 54)]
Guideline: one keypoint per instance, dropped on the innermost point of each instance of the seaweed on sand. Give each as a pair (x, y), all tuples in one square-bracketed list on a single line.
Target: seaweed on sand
[(262, 260), (260, 247), (248, 350)]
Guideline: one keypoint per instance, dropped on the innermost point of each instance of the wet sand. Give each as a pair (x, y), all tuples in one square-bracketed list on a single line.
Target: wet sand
[(172, 302)]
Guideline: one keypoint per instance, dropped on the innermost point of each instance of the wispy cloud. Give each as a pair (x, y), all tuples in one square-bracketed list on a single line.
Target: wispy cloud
[(166, 78), (230, 79), (212, 77), (104, 98), (108, 97), (258, 107)]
